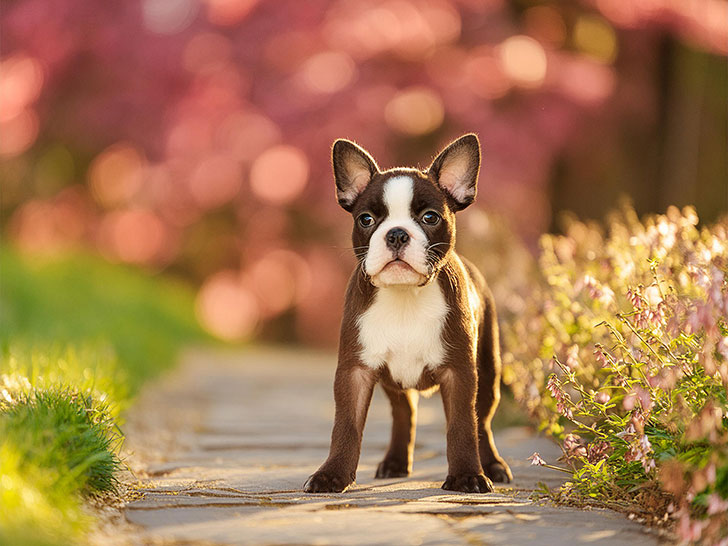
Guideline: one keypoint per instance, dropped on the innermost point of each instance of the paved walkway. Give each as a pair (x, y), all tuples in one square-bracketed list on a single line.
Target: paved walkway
[(223, 446)]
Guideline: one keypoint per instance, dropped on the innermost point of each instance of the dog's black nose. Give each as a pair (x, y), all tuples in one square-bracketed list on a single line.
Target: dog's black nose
[(397, 238)]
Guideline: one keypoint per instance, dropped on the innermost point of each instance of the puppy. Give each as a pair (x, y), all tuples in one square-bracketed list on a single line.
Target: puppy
[(417, 317)]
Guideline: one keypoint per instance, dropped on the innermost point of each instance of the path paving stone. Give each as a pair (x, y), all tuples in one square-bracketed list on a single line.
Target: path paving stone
[(223, 446)]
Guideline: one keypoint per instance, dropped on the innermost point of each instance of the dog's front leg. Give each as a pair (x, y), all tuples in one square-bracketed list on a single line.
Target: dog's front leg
[(458, 388), (353, 388)]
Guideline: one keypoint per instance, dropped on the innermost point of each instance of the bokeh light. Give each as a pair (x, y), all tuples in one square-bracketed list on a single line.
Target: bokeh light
[(228, 12), (279, 279), (215, 181), (279, 174), (625, 14), (327, 72), (18, 133), (585, 82), (247, 134), (319, 310), (168, 16), (133, 235), (486, 77), (523, 60), (595, 37), (409, 30), (226, 308), (116, 174), (20, 85), (415, 111), (55, 225)]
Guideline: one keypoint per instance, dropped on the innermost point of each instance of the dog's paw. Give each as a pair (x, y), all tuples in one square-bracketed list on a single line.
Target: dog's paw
[(326, 482), (392, 468), (498, 471), (468, 483)]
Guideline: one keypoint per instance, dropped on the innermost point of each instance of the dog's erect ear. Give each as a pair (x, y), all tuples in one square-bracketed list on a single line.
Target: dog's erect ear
[(353, 170), (456, 169)]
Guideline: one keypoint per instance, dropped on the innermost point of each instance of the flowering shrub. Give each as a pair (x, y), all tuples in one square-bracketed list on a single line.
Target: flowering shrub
[(622, 353)]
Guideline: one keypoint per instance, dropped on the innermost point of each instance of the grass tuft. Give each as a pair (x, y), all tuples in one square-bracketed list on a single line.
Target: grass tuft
[(67, 431), (78, 337)]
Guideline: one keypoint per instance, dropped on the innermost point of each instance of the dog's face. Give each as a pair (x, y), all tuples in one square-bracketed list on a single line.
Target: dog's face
[(404, 221)]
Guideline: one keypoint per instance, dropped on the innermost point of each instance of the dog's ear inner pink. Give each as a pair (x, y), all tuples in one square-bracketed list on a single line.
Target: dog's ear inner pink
[(456, 170), (353, 170)]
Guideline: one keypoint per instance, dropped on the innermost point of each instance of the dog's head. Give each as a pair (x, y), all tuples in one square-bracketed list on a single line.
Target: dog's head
[(404, 219)]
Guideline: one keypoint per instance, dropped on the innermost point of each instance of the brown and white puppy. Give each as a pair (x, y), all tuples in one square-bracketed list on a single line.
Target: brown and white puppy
[(417, 316)]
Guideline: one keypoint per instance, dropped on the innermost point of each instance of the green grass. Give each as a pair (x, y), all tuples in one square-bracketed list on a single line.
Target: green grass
[(78, 338), (82, 300)]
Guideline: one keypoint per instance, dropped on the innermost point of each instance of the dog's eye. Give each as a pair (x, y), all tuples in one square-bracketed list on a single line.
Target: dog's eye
[(430, 218), (366, 220)]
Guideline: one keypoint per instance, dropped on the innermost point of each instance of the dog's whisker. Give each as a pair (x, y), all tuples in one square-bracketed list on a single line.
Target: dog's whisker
[(433, 245), (352, 247)]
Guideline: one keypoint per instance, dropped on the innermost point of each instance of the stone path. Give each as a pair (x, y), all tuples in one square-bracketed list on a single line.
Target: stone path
[(223, 446)]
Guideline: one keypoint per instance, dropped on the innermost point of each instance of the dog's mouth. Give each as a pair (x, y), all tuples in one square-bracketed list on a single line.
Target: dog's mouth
[(399, 264), (398, 272)]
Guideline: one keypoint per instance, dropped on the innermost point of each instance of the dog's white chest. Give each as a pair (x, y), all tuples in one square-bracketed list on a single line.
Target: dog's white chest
[(403, 330)]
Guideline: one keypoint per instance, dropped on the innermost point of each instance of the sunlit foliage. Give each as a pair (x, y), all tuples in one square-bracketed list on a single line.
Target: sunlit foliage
[(622, 352)]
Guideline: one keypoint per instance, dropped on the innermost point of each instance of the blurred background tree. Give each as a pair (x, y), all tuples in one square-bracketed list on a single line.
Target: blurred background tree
[(193, 136)]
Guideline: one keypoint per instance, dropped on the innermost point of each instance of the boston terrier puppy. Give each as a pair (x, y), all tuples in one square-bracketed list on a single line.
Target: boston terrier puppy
[(418, 316)]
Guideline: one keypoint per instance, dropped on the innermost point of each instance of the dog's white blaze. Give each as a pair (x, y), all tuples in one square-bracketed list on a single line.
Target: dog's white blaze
[(398, 192), (403, 330), (397, 196)]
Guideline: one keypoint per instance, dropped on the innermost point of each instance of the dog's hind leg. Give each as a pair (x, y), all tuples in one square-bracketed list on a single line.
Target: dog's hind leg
[(489, 371), (397, 462)]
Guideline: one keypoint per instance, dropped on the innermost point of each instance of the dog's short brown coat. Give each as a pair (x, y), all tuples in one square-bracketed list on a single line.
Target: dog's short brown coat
[(469, 376)]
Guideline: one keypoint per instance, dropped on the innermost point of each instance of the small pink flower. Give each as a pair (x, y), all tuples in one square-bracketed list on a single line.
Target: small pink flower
[(536, 459), (627, 433), (723, 347), (639, 451), (602, 397), (690, 530), (573, 446), (600, 355), (588, 282), (564, 410), (654, 317), (716, 504), (634, 298), (644, 398), (553, 386), (652, 295), (642, 319), (607, 296), (596, 451), (572, 357), (710, 474)]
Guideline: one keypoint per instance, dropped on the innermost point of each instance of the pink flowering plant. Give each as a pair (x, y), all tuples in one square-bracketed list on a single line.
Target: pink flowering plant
[(622, 354)]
